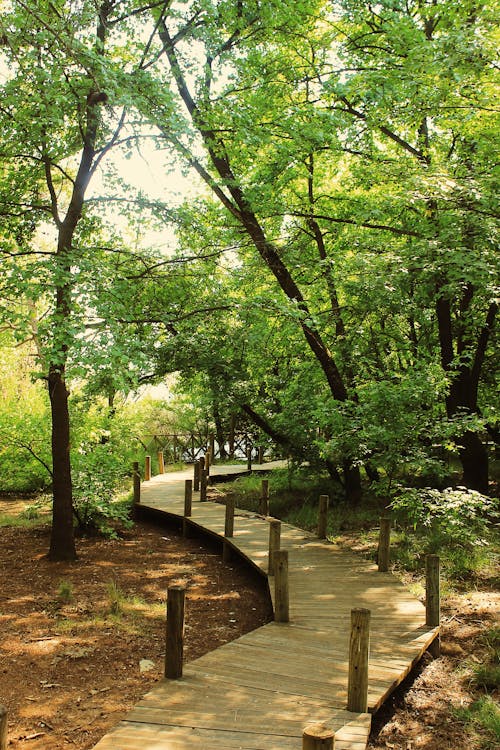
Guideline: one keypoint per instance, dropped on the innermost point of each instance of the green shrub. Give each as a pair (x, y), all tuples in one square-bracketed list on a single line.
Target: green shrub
[(96, 477), (65, 592), (454, 523), (116, 598)]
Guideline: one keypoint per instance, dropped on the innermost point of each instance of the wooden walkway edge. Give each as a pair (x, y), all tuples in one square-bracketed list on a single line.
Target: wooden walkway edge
[(260, 691)]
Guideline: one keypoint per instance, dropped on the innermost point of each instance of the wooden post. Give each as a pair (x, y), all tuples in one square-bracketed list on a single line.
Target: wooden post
[(281, 595), (323, 516), (147, 468), (203, 486), (212, 447), (359, 648), (229, 521), (3, 728), (208, 461), (161, 463), (261, 454), (264, 498), (174, 449), (249, 459), (196, 477), (274, 543), (188, 497), (175, 632), (201, 464), (384, 542), (188, 505), (228, 529), (432, 600), (137, 482), (318, 737)]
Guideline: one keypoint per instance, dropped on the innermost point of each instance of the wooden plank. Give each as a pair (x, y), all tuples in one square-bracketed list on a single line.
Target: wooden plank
[(261, 690)]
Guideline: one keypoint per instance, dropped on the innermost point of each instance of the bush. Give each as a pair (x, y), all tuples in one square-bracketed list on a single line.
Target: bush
[(97, 474), (454, 523)]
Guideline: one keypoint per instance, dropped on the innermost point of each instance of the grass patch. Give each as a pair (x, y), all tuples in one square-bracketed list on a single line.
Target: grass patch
[(483, 716), (19, 521), (124, 613), (486, 676), (65, 592)]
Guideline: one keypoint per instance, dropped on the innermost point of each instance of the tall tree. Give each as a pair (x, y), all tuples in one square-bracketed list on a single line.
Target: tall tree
[(416, 93), (231, 44), (60, 116), (336, 142)]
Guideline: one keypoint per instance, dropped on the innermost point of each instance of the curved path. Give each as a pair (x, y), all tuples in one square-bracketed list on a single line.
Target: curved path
[(260, 691)]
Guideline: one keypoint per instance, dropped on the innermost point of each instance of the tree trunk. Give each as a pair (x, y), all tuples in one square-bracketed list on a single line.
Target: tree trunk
[(352, 482), (219, 431), (462, 397), (474, 460), (62, 540)]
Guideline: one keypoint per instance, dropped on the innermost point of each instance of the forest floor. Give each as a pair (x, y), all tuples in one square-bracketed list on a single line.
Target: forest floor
[(82, 642)]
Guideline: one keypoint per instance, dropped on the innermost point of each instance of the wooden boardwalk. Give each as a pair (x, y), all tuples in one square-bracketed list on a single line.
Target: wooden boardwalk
[(260, 691)]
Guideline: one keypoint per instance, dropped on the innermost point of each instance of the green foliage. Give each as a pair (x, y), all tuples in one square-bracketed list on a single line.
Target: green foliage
[(460, 515), (101, 461), (24, 413), (483, 715), (8, 520), (65, 592), (458, 524), (96, 477), (116, 598), (487, 674), (342, 279), (293, 497)]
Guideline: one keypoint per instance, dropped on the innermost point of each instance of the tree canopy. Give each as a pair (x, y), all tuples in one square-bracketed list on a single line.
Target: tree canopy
[(335, 279)]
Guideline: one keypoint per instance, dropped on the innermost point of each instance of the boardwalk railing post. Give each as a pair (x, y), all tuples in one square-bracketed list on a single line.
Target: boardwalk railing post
[(136, 477), (147, 468), (261, 454), (201, 469), (318, 737), (212, 447), (228, 528), (229, 520), (203, 485), (3, 728), (323, 516), (274, 543), (175, 632), (281, 592), (196, 476), (264, 498), (359, 647), (432, 599), (384, 542), (188, 504), (249, 459), (208, 461), (161, 463)]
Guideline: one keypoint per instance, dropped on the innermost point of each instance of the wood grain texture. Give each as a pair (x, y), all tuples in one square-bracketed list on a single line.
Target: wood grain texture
[(261, 691)]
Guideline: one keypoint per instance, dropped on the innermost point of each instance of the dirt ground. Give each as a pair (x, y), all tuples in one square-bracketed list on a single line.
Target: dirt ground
[(421, 715), (81, 643)]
